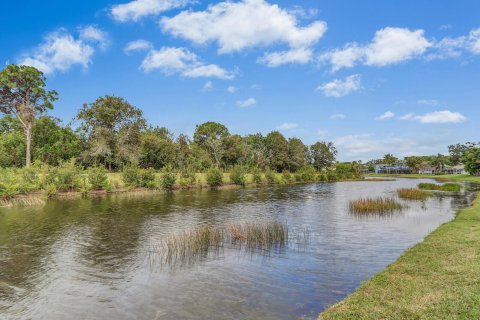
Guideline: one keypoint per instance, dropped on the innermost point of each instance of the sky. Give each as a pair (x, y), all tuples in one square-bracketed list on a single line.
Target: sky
[(374, 77)]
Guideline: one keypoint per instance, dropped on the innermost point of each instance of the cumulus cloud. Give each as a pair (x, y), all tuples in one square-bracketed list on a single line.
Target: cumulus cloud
[(250, 102), (236, 26), (275, 59), (287, 126), (337, 116), (60, 50), (389, 46), (387, 115), (341, 87), (170, 60), (137, 9), (137, 45), (455, 47), (231, 89), (444, 116)]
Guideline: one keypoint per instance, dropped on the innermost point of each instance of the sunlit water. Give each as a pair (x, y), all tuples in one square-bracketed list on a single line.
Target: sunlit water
[(98, 258)]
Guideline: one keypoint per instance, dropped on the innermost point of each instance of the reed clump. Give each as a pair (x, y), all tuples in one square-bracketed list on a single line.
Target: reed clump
[(374, 206), (449, 187), (189, 245), (413, 194)]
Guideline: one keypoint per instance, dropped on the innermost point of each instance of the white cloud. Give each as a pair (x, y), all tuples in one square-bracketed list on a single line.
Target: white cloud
[(94, 34), (137, 45), (208, 86), (287, 126), (389, 46), (337, 116), (172, 60), (250, 102), (231, 89), (428, 102), (275, 59), (340, 88), (60, 50), (444, 116), (137, 9), (235, 26), (387, 115), (455, 47)]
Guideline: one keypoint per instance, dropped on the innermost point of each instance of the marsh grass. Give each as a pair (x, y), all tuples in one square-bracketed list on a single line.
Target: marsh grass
[(450, 187), (374, 206), (413, 194), (188, 246), (22, 201)]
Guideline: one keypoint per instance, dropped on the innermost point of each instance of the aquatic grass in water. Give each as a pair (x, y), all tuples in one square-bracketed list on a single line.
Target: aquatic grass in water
[(374, 205), (413, 194), (187, 246), (450, 187)]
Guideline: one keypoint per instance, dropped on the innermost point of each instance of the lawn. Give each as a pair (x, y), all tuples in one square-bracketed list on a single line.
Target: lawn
[(438, 278), (442, 177)]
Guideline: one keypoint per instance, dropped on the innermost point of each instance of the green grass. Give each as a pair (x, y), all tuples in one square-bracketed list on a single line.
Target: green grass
[(438, 278), (450, 187), (374, 205), (413, 194)]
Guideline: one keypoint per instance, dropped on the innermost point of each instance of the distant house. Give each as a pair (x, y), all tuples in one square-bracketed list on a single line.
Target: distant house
[(427, 170), (459, 169), (397, 169)]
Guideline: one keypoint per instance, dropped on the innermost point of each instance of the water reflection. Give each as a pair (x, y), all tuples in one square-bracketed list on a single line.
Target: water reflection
[(92, 258)]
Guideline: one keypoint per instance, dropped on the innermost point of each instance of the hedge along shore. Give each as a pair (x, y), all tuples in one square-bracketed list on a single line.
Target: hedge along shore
[(39, 197), (438, 278)]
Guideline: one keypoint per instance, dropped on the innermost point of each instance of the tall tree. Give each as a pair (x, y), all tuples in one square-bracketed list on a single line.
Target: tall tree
[(23, 94), (390, 159), (111, 126), (210, 136), (158, 148), (278, 150), (297, 154), (471, 159), (323, 154)]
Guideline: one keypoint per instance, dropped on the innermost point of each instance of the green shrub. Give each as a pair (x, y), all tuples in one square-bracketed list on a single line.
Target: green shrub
[(306, 174), (97, 177), (257, 176), (214, 178), (238, 176), (30, 180), (50, 190), (287, 177), (270, 176), (187, 178), (131, 176), (322, 177), (167, 180), (66, 177), (331, 176), (146, 178), (450, 187), (84, 185)]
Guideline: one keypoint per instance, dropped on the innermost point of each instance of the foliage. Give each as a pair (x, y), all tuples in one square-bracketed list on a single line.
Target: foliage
[(238, 175), (97, 178), (168, 179), (214, 178), (23, 94), (277, 147), (64, 178), (413, 194), (257, 176), (471, 159), (323, 155), (131, 175), (187, 178), (270, 176), (146, 178), (306, 174), (287, 177), (210, 136), (157, 148), (297, 154), (450, 187), (374, 206)]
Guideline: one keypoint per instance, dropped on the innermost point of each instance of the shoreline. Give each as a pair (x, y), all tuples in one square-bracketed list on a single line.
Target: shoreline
[(437, 278)]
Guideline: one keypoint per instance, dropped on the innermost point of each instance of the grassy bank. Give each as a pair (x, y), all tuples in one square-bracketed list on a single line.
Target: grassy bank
[(442, 177), (436, 279)]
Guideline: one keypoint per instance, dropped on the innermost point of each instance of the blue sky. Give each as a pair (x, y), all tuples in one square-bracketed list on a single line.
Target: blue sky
[(373, 76)]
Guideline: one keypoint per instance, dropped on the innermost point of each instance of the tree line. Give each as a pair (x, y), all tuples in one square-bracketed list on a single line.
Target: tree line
[(111, 132)]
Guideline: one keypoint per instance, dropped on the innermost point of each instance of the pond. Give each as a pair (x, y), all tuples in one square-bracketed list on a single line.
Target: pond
[(97, 258)]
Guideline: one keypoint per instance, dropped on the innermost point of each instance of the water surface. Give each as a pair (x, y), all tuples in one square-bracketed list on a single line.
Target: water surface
[(97, 258)]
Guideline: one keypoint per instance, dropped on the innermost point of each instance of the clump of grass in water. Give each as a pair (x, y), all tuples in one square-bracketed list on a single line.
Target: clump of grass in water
[(450, 187), (413, 194), (187, 246), (375, 205)]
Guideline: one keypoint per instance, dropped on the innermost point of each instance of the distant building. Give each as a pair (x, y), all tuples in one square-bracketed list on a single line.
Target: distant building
[(389, 169), (459, 169), (427, 170)]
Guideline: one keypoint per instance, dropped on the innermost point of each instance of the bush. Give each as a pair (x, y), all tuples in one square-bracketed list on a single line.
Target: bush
[(9, 186), (257, 176), (287, 177), (187, 178), (66, 177), (238, 176), (97, 177), (146, 178), (167, 180), (30, 180), (306, 174), (50, 190), (270, 176), (84, 186), (332, 176), (131, 176), (214, 178), (322, 177)]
